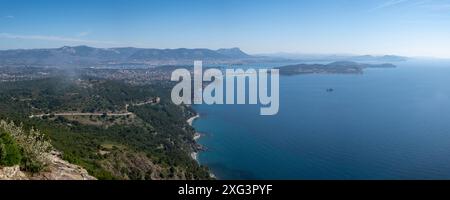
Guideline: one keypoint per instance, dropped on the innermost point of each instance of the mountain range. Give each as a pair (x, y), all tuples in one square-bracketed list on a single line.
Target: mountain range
[(335, 57), (90, 56), (85, 56)]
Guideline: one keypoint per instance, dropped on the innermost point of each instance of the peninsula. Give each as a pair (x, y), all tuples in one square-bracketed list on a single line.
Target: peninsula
[(341, 67)]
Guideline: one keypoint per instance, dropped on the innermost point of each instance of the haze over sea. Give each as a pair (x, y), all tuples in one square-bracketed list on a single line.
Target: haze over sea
[(384, 124)]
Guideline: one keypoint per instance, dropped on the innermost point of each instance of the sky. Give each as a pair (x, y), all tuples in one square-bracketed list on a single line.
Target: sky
[(377, 27)]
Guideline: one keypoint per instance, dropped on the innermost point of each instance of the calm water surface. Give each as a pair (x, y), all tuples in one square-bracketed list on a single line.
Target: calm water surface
[(384, 124)]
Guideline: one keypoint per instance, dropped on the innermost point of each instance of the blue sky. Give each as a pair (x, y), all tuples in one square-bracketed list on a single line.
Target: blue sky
[(402, 27)]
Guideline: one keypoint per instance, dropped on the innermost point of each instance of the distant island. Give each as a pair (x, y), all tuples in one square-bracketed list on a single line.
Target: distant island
[(341, 67)]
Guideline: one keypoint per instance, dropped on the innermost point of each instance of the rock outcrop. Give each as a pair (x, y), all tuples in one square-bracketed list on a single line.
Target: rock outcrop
[(12, 173), (57, 169)]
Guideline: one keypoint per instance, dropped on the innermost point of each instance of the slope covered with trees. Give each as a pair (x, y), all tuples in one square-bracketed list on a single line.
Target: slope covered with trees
[(153, 143)]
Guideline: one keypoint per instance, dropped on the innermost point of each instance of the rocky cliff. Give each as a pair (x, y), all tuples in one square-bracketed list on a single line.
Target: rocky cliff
[(57, 169)]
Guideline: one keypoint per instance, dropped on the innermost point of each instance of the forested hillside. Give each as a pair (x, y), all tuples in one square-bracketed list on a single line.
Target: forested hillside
[(118, 136)]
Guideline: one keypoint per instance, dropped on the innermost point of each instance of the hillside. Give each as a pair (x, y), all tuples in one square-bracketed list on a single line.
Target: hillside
[(341, 67), (90, 56), (153, 141), (26, 155)]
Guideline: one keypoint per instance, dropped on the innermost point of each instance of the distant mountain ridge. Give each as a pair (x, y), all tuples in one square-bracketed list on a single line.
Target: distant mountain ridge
[(335, 57), (234, 52), (85, 56)]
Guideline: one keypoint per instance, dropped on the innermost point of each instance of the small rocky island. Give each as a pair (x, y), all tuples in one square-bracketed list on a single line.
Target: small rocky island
[(341, 67)]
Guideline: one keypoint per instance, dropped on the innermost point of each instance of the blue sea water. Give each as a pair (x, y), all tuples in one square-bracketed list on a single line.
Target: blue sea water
[(384, 124)]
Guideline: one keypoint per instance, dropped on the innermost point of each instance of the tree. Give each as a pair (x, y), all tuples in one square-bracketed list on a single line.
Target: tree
[(10, 153)]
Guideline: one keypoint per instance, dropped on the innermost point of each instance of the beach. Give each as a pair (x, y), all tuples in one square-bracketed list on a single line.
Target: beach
[(191, 120), (197, 136)]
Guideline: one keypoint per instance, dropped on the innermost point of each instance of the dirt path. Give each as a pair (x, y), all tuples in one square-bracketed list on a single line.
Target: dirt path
[(82, 114), (153, 101)]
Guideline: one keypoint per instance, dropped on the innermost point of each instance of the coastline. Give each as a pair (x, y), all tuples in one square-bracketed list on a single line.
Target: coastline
[(197, 136), (191, 120)]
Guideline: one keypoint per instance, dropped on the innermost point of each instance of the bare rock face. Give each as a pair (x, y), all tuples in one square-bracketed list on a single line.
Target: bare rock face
[(12, 173), (58, 169)]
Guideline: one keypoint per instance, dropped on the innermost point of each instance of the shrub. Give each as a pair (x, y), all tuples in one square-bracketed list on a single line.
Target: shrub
[(33, 146), (29, 164), (10, 153)]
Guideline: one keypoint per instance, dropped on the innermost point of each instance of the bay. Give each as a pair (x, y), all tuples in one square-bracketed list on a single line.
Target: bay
[(383, 124)]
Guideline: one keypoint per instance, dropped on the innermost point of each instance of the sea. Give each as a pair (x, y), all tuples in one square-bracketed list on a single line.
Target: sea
[(389, 124)]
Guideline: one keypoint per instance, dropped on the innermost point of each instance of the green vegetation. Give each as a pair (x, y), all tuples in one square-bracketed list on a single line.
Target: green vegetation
[(25, 148), (10, 153), (340, 67), (154, 143)]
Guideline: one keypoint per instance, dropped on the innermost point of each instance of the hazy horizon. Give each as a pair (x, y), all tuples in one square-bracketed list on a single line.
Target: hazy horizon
[(286, 55), (412, 28)]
